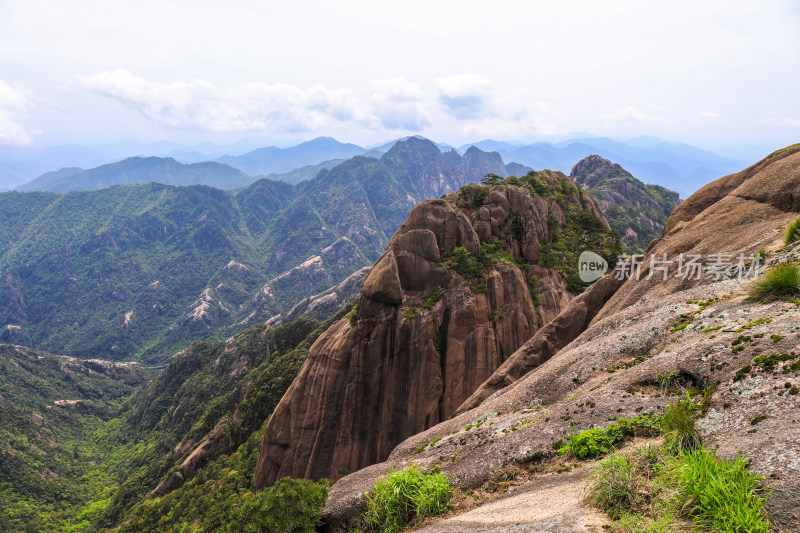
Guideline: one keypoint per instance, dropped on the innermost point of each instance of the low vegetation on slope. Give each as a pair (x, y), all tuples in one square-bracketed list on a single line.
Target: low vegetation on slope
[(659, 488), (581, 231), (53, 474)]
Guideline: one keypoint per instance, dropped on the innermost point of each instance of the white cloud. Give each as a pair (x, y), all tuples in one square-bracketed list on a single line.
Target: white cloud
[(654, 114), (465, 96), (248, 107), (786, 122), (398, 104), (13, 112), (708, 115)]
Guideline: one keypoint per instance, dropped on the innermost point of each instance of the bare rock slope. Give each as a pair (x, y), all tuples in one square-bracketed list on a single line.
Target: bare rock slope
[(703, 332), (459, 289)]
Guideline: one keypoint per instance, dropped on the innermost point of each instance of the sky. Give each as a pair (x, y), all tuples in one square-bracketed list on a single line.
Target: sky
[(717, 74)]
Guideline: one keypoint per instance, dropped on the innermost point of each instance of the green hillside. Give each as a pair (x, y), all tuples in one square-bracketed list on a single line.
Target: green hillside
[(139, 271), (638, 211), (53, 473)]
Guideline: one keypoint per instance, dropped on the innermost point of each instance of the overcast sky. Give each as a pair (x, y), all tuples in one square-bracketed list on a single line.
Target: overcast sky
[(712, 73)]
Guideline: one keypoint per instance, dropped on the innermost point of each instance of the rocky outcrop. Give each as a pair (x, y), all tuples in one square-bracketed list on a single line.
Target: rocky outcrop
[(326, 303), (444, 306), (612, 368)]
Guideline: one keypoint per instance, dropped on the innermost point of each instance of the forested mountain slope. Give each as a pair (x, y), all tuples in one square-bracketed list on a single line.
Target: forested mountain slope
[(140, 270)]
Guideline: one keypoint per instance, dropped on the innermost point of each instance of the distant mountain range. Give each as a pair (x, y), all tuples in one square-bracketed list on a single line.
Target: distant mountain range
[(677, 166), (139, 270), (138, 170), (279, 160)]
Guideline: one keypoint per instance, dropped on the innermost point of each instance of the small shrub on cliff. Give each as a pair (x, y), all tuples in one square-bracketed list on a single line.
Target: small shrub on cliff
[(792, 231), (463, 262), (352, 316), (405, 497), (780, 280)]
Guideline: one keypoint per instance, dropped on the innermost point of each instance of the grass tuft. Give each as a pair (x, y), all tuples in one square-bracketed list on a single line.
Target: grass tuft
[(655, 488), (780, 280), (616, 486), (404, 497), (792, 233), (678, 425)]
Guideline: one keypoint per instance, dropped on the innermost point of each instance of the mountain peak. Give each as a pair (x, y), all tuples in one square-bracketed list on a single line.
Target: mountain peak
[(639, 210)]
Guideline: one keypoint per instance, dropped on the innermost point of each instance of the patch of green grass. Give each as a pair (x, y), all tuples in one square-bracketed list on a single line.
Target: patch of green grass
[(596, 442), (780, 280), (719, 494), (650, 488), (616, 486), (780, 151), (792, 234), (667, 379), (770, 362), (753, 323), (404, 497), (683, 321)]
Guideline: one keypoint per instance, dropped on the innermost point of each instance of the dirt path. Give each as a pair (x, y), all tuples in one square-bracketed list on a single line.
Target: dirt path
[(552, 503)]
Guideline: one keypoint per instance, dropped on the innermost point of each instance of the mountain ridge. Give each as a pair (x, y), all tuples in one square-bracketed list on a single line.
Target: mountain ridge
[(62, 247)]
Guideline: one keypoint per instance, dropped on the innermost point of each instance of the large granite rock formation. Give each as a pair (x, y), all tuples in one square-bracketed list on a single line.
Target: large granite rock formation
[(459, 289), (612, 369)]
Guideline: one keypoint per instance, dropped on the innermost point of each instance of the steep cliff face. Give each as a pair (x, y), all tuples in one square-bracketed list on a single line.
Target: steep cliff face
[(461, 286)]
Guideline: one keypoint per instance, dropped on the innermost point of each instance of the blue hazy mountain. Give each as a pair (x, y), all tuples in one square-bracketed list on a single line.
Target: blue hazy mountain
[(677, 166), (309, 172), (272, 159), (21, 164), (386, 146), (137, 170)]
